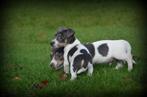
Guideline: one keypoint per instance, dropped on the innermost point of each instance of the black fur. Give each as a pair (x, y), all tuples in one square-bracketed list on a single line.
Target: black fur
[(85, 56), (78, 60), (91, 49), (71, 52), (103, 49)]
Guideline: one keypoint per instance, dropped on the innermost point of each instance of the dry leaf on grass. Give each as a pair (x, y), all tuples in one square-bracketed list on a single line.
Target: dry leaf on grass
[(16, 78), (40, 85), (45, 82)]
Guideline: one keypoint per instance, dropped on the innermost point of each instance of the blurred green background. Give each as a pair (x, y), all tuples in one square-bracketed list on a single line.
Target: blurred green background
[(29, 26)]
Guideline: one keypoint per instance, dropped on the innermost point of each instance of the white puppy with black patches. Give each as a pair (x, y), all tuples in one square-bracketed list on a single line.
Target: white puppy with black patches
[(108, 50), (75, 54)]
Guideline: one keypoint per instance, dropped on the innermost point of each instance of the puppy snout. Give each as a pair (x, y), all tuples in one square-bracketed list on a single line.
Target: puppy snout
[(52, 43), (52, 65)]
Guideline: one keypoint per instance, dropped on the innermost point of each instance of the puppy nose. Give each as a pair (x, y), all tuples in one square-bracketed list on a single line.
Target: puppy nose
[(52, 65), (52, 43)]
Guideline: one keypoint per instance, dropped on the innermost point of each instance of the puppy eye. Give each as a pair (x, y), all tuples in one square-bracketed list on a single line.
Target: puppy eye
[(59, 38)]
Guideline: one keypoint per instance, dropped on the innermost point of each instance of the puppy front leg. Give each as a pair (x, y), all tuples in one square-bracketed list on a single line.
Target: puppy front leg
[(73, 73), (66, 64), (66, 68), (90, 69)]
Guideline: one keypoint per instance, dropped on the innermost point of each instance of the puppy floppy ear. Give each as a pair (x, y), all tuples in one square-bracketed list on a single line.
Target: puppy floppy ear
[(70, 32)]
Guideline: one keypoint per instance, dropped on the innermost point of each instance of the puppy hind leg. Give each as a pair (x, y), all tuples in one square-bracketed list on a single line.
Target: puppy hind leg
[(119, 65), (130, 64), (90, 69), (129, 59), (134, 62)]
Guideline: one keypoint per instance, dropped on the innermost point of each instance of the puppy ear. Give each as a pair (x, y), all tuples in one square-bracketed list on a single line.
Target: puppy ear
[(70, 32)]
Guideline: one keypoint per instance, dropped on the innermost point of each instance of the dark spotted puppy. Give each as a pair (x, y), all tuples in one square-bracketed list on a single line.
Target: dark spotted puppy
[(57, 55), (108, 50), (105, 51), (75, 54)]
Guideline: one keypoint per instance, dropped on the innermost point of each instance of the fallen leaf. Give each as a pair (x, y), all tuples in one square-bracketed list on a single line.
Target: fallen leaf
[(45, 82), (16, 78), (40, 85)]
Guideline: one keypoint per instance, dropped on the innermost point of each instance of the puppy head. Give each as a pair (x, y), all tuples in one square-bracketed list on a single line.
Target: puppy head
[(63, 37), (57, 58)]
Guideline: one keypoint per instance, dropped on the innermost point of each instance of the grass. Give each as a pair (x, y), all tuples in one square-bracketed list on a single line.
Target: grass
[(30, 26)]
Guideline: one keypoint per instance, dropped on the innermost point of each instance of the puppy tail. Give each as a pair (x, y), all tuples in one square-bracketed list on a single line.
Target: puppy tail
[(133, 61)]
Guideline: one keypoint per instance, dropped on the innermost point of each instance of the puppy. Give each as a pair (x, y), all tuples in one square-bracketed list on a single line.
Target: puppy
[(75, 54), (108, 50)]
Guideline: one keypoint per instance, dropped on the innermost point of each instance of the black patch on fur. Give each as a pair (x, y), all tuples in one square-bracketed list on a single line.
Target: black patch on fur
[(78, 60), (87, 55), (71, 52), (60, 50), (91, 49), (71, 39), (83, 51), (103, 49)]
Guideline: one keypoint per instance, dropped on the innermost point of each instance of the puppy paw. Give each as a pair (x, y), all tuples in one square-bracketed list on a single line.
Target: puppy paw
[(72, 79), (89, 74), (129, 69)]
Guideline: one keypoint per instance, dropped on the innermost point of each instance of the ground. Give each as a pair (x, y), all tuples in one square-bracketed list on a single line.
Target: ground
[(28, 28)]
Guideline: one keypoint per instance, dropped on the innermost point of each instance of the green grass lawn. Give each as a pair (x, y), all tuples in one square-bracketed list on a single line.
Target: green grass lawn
[(30, 26)]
